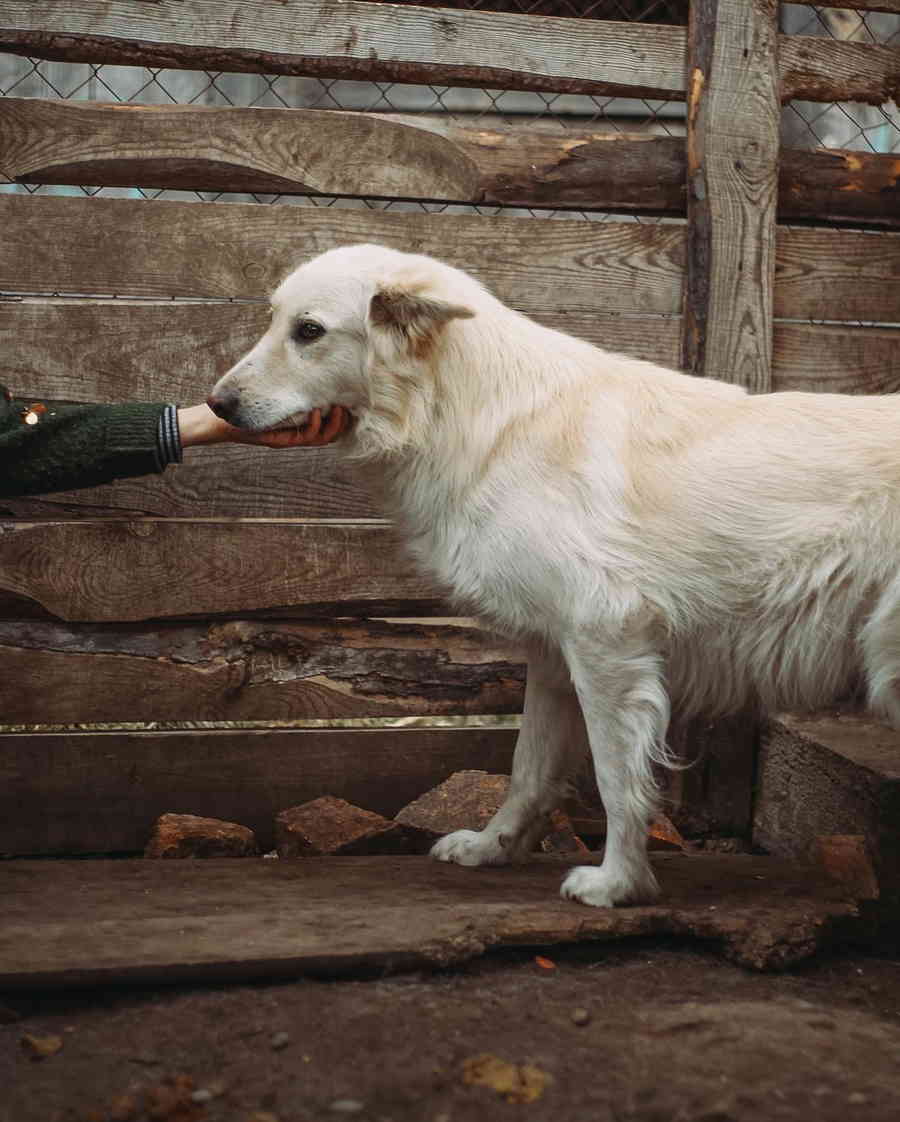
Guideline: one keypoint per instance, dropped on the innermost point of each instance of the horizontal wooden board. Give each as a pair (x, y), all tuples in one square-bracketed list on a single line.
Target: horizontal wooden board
[(543, 267), (253, 670), (413, 43), (101, 792), (120, 571), (310, 151), (817, 358), (142, 922), (429, 156), (371, 42), (235, 251), (821, 69), (837, 275)]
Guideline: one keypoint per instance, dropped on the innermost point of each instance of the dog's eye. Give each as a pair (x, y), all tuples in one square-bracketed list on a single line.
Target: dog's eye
[(307, 329)]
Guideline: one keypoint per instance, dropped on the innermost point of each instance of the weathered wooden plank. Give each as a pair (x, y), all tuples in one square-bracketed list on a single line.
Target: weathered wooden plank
[(394, 43), (232, 251), (116, 922), (820, 69), (837, 275), (383, 42), (309, 151), (426, 156), (101, 792), (819, 358), (253, 670), (573, 268), (834, 185), (121, 571), (733, 140)]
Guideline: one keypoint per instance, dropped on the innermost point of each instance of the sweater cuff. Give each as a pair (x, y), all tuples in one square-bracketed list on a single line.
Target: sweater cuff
[(132, 436), (168, 438)]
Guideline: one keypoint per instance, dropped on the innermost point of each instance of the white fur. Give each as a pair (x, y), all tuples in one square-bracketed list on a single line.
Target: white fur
[(651, 536)]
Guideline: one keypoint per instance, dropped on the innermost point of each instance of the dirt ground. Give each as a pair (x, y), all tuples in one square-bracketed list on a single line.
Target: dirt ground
[(672, 1034)]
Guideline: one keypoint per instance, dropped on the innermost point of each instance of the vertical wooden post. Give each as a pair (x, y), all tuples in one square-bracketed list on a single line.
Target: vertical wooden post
[(733, 114)]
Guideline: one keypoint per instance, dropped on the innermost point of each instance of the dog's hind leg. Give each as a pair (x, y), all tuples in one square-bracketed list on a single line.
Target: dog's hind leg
[(551, 742), (626, 707)]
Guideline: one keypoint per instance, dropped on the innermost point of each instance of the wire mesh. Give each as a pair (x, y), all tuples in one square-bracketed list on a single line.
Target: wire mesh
[(849, 125)]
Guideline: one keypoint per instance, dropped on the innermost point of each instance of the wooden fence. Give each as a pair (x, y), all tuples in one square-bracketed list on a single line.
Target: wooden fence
[(250, 586)]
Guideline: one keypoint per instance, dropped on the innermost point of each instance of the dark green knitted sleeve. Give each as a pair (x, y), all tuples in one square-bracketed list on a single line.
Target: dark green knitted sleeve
[(75, 446)]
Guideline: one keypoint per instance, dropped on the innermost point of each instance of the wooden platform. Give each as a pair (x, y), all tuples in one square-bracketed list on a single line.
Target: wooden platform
[(79, 923)]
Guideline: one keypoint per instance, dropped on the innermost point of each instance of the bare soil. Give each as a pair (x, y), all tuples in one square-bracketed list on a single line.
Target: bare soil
[(673, 1034)]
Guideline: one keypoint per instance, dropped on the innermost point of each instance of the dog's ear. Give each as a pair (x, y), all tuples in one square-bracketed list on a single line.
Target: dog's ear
[(413, 315)]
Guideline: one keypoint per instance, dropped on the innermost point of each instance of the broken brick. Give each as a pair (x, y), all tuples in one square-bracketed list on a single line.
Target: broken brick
[(846, 861), (467, 801), (187, 835), (329, 826)]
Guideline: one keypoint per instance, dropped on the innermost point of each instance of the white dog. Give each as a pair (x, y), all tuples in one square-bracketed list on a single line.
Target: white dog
[(649, 535)]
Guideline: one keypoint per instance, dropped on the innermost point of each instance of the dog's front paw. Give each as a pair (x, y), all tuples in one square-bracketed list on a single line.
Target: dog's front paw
[(605, 888), (470, 847)]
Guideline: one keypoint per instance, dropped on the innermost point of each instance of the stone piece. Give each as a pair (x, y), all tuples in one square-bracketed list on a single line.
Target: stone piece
[(332, 827), (467, 801), (187, 835)]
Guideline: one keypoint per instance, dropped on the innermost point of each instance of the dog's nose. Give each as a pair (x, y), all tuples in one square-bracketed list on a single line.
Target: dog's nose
[(224, 405)]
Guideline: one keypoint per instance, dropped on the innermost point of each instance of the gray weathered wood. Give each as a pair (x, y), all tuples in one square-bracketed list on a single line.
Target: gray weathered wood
[(252, 670), (120, 571), (818, 358), (149, 921), (427, 156), (417, 44), (560, 268), (383, 42), (733, 123), (100, 792), (105, 246), (837, 275)]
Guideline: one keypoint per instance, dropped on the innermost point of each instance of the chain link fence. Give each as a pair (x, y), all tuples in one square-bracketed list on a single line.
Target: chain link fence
[(850, 125)]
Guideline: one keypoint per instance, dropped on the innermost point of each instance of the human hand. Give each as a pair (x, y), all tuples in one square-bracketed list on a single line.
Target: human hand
[(199, 425)]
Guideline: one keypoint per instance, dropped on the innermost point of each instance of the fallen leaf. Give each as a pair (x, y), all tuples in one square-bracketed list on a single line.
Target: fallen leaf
[(664, 830), (545, 963), (40, 1047), (171, 1101), (517, 1083)]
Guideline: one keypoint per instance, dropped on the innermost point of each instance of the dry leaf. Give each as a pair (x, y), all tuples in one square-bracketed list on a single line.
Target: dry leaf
[(40, 1047), (517, 1083)]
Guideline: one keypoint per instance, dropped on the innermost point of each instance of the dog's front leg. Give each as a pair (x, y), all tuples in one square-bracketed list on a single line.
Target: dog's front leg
[(622, 693), (551, 741)]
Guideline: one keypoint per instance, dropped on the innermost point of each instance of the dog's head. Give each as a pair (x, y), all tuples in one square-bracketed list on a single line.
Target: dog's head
[(358, 327)]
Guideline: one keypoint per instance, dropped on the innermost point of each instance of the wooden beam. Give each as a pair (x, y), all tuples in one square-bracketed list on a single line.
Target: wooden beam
[(427, 156), (121, 571), (253, 670), (820, 69), (369, 42), (72, 792), (732, 168), (330, 152), (225, 252)]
